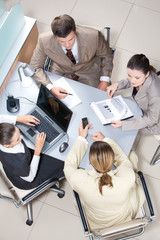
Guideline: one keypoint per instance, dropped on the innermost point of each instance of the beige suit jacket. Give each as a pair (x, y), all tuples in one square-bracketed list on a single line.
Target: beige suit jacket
[(118, 204), (148, 99), (95, 57)]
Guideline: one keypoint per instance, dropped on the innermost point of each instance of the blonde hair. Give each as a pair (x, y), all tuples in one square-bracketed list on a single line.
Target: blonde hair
[(101, 157)]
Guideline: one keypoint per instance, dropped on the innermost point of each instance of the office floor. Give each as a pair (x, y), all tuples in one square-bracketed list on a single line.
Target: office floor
[(134, 29)]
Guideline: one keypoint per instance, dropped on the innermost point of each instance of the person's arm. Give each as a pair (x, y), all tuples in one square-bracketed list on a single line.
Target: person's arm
[(120, 157), (33, 169), (106, 56), (77, 153), (28, 120), (40, 140), (150, 118), (37, 61)]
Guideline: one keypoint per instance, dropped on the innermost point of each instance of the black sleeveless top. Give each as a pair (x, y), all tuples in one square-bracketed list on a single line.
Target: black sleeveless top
[(16, 165)]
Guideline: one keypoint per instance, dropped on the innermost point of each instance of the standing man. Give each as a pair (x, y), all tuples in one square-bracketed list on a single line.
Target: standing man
[(79, 53)]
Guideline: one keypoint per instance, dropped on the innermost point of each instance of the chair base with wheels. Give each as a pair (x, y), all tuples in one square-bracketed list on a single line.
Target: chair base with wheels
[(24, 197), (126, 230)]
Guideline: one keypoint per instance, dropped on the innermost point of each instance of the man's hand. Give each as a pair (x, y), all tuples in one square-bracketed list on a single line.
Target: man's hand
[(116, 124), (40, 140), (98, 136), (28, 120), (111, 89), (103, 85), (84, 131), (57, 91)]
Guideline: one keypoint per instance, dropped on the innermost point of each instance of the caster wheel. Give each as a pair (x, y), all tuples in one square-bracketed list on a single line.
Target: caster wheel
[(29, 222), (60, 195)]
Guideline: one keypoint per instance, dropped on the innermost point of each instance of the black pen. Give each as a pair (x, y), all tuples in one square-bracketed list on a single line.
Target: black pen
[(65, 93)]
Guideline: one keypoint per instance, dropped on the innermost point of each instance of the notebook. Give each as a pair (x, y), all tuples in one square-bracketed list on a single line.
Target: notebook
[(54, 119)]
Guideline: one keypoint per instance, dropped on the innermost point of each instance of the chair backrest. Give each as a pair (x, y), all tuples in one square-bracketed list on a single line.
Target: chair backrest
[(7, 189), (133, 228)]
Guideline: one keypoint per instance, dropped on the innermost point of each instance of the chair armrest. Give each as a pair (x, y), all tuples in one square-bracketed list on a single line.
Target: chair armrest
[(40, 187), (85, 226), (150, 206)]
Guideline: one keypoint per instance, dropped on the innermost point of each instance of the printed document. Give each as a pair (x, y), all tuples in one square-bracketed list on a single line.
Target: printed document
[(111, 109)]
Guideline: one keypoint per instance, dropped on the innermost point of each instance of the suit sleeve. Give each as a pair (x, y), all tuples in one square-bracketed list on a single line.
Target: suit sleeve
[(149, 119), (121, 158), (37, 61), (124, 84), (106, 55), (74, 158)]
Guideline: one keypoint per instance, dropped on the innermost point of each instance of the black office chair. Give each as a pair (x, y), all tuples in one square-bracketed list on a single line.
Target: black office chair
[(108, 38), (127, 230), (24, 197)]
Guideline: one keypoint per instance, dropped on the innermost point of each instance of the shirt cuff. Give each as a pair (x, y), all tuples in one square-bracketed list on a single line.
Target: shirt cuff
[(105, 139), (82, 139), (105, 78), (50, 86)]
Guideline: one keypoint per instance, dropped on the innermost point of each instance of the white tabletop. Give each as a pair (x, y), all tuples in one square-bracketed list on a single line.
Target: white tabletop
[(87, 94)]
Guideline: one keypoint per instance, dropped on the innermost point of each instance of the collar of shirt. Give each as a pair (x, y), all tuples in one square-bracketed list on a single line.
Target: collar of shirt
[(19, 148), (74, 50)]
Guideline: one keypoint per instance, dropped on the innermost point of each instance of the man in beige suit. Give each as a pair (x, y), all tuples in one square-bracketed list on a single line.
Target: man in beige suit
[(92, 58), (109, 196)]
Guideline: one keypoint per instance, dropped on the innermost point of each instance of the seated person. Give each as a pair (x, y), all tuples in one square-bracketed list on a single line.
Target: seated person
[(108, 196), (145, 88), (25, 168), (92, 58)]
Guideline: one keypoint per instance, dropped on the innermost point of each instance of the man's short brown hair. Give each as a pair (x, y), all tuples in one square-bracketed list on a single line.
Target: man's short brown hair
[(62, 26)]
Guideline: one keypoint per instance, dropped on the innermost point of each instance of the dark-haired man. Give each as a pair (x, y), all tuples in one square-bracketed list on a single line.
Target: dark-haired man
[(77, 52)]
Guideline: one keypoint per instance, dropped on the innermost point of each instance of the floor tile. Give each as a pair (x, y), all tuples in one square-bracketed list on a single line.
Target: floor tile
[(154, 4), (121, 58), (138, 34), (54, 224), (65, 203), (13, 220), (102, 14), (43, 27), (145, 150), (46, 11)]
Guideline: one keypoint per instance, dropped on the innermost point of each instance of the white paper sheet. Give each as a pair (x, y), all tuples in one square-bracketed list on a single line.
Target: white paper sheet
[(71, 100)]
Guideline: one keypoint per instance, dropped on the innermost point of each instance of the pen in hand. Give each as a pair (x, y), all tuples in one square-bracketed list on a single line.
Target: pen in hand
[(65, 93)]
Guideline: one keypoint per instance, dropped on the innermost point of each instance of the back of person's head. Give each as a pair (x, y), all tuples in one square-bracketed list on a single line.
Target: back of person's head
[(101, 157), (63, 25), (140, 62), (7, 131)]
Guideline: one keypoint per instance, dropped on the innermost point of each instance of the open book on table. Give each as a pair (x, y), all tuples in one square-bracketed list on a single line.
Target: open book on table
[(111, 109)]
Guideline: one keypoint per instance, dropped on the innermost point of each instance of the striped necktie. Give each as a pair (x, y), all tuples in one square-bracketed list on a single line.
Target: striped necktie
[(69, 54)]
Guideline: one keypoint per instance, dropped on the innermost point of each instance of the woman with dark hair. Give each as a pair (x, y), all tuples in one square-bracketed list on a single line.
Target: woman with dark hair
[(25, 168), (145, 88), (109, 196)]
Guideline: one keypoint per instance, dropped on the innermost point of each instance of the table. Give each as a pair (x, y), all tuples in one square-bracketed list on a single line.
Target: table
[(87, 94)]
